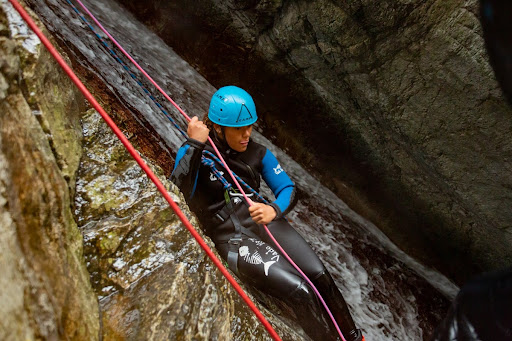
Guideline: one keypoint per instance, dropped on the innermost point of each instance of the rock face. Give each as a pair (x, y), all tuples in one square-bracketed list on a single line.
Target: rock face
[(46, 292), (403, 90)]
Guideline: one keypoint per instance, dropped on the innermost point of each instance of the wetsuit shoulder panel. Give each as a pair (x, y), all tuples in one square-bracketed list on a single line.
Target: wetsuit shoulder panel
[(279, 182), (186, 167)]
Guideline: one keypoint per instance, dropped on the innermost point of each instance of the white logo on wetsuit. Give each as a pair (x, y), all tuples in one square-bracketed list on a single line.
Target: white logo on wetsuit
[(213, 177), (255, 258), (278, 170)]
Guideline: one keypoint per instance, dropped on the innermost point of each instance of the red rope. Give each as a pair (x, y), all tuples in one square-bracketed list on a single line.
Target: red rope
[(143, 165)]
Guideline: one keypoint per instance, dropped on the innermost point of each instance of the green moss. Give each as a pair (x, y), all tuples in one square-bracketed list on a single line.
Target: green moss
[(108, 243)]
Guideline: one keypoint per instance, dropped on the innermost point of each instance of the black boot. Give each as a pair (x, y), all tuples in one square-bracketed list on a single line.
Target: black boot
[(357, 336), (337, 305), (310, 313)]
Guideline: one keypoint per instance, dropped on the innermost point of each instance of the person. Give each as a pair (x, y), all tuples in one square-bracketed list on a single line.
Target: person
[(237, 229)]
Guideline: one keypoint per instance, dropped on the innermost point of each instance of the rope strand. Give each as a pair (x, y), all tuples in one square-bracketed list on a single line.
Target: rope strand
[(222, 179), (126, 68)]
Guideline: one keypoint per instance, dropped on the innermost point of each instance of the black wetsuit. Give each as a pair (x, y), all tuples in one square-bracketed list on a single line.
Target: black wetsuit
[(245, 245)]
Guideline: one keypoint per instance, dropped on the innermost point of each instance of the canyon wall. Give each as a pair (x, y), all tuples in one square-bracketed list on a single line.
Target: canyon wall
[(46, 292)]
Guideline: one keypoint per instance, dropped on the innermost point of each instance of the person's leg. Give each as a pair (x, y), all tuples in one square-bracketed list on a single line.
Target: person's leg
[(305, 257), (310, 313), (262, 267), (337, 305)]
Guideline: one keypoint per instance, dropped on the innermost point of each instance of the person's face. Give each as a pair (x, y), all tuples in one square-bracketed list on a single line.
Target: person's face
[(238, 137)]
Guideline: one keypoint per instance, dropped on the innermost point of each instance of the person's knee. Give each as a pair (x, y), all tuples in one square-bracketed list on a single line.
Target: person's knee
[(321, 276), (303, 293)]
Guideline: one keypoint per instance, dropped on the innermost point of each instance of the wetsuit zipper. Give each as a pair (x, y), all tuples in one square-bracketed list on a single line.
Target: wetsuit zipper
[(251, 172)]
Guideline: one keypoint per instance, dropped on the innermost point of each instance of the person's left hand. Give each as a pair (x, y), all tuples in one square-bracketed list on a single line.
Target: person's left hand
[(261, 213)]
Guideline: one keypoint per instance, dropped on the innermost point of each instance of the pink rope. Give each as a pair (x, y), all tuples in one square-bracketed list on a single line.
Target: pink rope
[(220, 157), (133, 60)]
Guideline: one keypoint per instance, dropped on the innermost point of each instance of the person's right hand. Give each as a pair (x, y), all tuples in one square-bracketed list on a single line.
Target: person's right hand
[(197, 130)]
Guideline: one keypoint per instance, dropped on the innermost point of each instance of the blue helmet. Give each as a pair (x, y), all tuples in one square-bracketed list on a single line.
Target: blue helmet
[(232, 106)]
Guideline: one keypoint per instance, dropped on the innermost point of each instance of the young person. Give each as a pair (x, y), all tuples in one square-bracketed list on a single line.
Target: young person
[(236, 228)]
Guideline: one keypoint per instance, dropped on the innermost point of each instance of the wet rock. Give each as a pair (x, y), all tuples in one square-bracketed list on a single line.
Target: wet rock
[(46, 293)]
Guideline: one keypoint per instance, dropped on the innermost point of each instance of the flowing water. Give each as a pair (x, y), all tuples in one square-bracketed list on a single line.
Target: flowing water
[(391, 296)]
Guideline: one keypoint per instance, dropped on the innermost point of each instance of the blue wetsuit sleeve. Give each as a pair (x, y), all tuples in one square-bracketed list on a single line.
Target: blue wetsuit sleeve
[(280, 184), (186, 167)]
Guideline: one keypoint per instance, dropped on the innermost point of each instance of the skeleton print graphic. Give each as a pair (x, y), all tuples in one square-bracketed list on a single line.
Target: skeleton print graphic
[(256, 258)]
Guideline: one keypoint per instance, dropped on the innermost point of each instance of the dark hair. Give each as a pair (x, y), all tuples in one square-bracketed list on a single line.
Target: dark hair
[(207, 122)]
